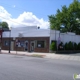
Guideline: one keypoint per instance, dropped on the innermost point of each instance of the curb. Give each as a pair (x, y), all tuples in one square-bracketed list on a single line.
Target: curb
[(29, 55)]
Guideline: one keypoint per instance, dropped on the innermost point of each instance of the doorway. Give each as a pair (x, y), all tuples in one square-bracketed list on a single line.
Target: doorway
[(26, 46), (32, 46)]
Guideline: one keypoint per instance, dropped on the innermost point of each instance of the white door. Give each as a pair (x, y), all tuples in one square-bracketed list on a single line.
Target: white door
[(12, 45)]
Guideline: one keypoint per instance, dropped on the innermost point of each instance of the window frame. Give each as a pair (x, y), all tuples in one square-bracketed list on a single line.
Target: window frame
[(6, 41), (41, 44)]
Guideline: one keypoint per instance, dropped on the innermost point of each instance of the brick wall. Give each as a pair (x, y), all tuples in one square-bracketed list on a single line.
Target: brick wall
[(29, 39)]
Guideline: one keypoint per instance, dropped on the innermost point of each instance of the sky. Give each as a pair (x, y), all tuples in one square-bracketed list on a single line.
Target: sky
[(18, 13)]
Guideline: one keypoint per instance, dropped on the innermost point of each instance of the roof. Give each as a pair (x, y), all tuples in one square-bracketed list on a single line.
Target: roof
[(27, 32), (4, 29)]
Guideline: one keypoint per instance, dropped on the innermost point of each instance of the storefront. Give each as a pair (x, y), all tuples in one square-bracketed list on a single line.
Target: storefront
[(30, 44)]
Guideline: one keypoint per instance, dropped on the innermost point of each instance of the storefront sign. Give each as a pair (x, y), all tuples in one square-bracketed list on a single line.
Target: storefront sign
[(39, 45)]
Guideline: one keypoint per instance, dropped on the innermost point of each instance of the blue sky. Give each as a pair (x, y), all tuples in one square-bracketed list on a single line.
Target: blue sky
[(40, 8)]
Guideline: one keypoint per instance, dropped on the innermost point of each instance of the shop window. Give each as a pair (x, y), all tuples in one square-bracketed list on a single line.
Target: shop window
[(41, 44), (20, 43), (6, 43)]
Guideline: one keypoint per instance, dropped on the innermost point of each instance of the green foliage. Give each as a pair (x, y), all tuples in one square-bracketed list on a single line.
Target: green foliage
[(53, 46), (70, 46), (67, 19), (4, 25), (78, 47), (66, 46), (75, 46)]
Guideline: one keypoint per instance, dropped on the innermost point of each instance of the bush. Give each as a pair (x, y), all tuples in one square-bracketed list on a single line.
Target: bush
[(66, 46), (78, 46), (75, 46), (70, 46), (53, 46)]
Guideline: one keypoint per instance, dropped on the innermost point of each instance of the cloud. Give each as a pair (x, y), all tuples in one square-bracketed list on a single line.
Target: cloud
[(24, 19), (4, 14)]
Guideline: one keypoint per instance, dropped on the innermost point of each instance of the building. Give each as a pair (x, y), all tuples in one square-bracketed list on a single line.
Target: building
[(26, 39), (1, 31), (35, 39)]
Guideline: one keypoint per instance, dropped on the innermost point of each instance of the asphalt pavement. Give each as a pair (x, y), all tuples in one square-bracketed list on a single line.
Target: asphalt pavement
[(73, 57), (15, 67)]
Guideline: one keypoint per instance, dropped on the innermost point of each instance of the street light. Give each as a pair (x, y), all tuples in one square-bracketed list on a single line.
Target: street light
[(55, 39), (9, 39)]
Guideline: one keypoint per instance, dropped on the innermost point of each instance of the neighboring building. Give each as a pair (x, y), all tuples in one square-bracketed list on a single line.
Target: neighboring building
[(35, 39), (1, 31)]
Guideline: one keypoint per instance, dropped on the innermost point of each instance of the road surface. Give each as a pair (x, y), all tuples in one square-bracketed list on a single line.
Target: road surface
[(13, 67)]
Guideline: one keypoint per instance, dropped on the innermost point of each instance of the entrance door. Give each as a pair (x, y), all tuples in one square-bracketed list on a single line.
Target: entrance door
[(26, 46), (12, 46), (32, 45)]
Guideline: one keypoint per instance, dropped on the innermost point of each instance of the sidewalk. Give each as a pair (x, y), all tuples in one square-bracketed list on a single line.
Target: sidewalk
[(44, 55)]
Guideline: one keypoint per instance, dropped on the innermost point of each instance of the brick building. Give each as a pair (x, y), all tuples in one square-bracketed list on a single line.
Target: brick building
[(35, 39), (26, 39)]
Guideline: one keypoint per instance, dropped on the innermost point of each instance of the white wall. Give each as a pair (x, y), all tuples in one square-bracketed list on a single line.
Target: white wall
[(64, 37), (54, 36), (34, 32), (28, 32)]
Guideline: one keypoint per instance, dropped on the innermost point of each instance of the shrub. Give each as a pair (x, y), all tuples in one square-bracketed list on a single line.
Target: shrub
[(66, 46), (78, 47), (53, 46), (70, 46), (75, 46)]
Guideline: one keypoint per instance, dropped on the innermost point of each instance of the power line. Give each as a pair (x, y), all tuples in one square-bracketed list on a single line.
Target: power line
[(16, 22), (17, 8), (12, 21)]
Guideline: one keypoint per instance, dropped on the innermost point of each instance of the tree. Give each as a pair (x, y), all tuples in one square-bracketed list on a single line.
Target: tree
[(67, 19), (4, 25)]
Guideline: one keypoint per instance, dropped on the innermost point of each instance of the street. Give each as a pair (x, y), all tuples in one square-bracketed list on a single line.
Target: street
[(15, 67)]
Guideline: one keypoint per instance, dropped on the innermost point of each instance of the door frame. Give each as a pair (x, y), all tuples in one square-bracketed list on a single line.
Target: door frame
[(25, 45), (31, 46)]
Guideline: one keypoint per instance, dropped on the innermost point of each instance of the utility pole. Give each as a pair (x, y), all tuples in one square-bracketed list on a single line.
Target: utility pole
[(9, 40)]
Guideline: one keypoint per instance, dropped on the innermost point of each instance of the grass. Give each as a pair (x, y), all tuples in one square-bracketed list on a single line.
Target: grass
[(37, 55)]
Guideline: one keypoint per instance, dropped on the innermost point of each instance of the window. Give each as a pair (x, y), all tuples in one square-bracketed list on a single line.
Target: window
[(20, 43), (40, 44), (6, 43)]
